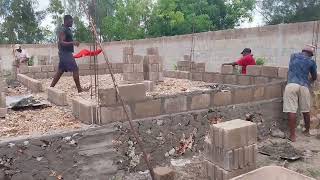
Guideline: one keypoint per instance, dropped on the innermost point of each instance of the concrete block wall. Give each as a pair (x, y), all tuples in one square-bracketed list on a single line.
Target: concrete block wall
[(141, 106), (230, 149), (285, 39), (48, 71), (34, 85)]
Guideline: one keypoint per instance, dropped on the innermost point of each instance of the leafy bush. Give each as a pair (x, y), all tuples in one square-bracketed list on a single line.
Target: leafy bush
[(261, 61), (175, 67), (31, 61)]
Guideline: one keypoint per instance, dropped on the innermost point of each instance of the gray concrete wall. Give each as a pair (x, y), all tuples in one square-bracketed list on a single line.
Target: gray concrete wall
[(275, 43)]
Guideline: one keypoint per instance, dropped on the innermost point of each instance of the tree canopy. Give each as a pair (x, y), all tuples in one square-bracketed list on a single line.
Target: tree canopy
[(290, 11), (121, 19)]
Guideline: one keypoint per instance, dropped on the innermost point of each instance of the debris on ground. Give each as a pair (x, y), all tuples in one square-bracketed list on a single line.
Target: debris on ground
[(283, 150), (186, 143), (26, 101), (277, 133)]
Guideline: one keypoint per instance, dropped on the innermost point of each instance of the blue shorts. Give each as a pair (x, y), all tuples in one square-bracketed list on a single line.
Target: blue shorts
[(67, 63)]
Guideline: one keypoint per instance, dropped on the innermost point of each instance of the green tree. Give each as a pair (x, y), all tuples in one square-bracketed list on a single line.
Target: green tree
[(21, 24), (128, 21), (171, 17), (289, 11)]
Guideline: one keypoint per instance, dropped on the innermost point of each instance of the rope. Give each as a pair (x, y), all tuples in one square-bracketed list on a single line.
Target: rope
[(133, 130)]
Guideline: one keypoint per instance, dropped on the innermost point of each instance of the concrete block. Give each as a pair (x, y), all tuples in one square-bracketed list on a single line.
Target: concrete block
[(208, 77), (154, 67), (152, 76), (184, 64), (246, 155), (244, 80), (153, 51), (3, 112), (227, 69), (152, 59), (197, 76), (57, 97), (201, 70), (273, 91), (41, 75), (23, 69), (283, 72), (235, 134), (269, 71), (34, 85), (230, 79), (149, 85), (127, 59), (174, 105), (187, 57), (138, 68), (136, 59), (243, 95), (76, 106), (107, 96), (128, 68), (201, 101), (164, 173), (258, 93), (132, 92), (48, 68), (183, 75), (170, 74), (148, 108), (236, 158), (261, 80), (254, 70), (87, 112), (2, 99), (114, 114), (241, 157), (128, 50), (133, 76), (34, 69), (222, 98)]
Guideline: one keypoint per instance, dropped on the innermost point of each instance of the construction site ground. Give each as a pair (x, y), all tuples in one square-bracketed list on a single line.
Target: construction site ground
[(70, 152)]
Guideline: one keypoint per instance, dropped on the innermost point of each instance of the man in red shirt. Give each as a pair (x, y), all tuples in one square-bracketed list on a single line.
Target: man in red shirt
[(245, 61)]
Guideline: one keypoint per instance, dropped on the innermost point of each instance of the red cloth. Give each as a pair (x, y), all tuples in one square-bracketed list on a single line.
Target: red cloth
[(246, 61), (86, 52)]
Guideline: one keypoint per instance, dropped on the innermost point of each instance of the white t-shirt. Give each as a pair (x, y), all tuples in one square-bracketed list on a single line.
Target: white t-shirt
[(23, 56)]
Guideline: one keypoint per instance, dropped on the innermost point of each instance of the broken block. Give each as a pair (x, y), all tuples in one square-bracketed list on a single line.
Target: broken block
[(164, 173)]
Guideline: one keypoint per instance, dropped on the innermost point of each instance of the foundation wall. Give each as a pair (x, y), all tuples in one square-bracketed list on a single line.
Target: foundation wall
[(275, 43), (48, 71)]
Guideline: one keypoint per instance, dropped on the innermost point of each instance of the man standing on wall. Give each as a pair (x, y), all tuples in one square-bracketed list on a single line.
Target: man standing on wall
[(66, 47), (297, 93), (246, 60)]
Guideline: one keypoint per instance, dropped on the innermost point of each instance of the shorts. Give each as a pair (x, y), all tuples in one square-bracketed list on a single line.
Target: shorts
[(296, 96), (67, 63)]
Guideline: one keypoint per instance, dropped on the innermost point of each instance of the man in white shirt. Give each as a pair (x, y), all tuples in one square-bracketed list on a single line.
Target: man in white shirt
[(22, 57)]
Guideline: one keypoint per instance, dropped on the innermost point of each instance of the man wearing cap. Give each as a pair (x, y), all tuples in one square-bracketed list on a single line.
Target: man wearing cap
[(296, 94), (22, 57), (246, 60), (66, 48)]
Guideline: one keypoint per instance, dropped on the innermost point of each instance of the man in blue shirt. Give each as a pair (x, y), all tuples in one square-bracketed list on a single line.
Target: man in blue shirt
[(297, 90)]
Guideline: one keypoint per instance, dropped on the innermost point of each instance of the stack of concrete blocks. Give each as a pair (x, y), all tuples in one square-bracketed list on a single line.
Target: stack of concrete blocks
[(230, 149), (153, 65), (3, 109), (191, 66), (133, 65)]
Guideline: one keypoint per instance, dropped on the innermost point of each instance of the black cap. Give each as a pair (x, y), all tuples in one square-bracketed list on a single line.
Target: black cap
[(246, 50)]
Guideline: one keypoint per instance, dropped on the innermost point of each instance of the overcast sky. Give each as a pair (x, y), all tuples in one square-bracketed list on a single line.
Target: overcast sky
[(257, 18)]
